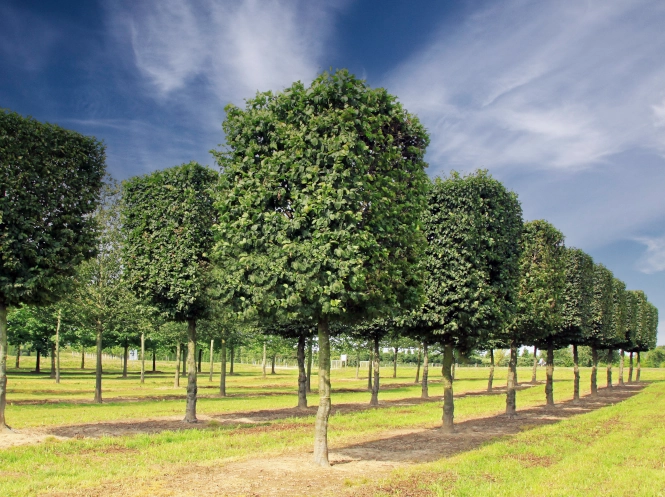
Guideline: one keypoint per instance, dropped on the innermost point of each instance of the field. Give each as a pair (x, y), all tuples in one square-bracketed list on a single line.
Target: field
[(254, 442)]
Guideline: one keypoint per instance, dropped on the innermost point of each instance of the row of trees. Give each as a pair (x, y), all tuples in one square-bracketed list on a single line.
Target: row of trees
[(323, 222)]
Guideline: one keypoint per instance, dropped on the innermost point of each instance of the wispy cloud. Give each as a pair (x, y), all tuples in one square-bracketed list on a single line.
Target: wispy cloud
[(562, 85), (653, 260)]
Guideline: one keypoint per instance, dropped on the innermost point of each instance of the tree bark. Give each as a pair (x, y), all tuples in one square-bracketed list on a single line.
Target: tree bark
[(370, 367), (184, 360), (511, 393), (535, 365), (82, 357), (639, 367), (192, 390), (321, 427), (98, 364), (576, 371), (142, 358), (37, 364), (18, 356), (263, 364), (309, 364), (232, 359), (417, 380), (374, 401), (621, 383), (609, 368), (272, 365), (448, 404), (424, 393), (176, 379), (52, 353), (357, 364), (57, 347), (549, 385), (594, 371), (302, 374), (222, 374), (154, 361), (125, 356), (630, 368), (3, 366), (212, 358), (395, 363), (453, 368), (490, 380), (198, 367)]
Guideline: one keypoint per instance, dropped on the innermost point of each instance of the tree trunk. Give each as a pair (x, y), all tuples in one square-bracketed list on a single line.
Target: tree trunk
[(176, 379), (82, 357), (212, 358), (417, 380), (621, 383), (272, 365), (302, 374), (154, 361), (142, 358), (198, 366), (98, 364), (576, 371), (594, 371), (395, 363), (424, 393), (321, 427), (511, 393), (125, 356), (374, 401), (453, 368), (232, 359), (3, 366), (630, 368), (535, 365), (549, 385), (609, 368), (192, 390), (52, 353), (184, 360), (18, 356), (222, 374), (309, 364), (490, 380), (37, 364), (448, 405), (639, 367), (357, 364), (370, 367), (263, 364), (57, 347)]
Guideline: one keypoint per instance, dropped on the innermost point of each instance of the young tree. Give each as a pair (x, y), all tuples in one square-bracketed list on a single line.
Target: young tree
[(49, 184), (602, 313), (537, 319), (322, 192), (167, 222), (576, 306), (473, 228)]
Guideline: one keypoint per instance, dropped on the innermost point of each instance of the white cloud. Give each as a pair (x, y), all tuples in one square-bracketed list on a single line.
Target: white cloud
[(547, 85), (653, 260)]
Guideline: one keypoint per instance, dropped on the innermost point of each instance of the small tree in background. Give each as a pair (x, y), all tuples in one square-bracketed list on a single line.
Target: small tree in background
[(602, 312), (322, 193), (50, 180), (167, 222)]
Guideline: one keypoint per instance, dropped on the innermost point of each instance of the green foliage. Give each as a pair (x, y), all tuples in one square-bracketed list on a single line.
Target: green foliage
[(33, 326), (538, 317), (50, 180), (321, 196), (620, 316), (473, 226), (646, 327), (577, 297), (167, 220), (602, 309)]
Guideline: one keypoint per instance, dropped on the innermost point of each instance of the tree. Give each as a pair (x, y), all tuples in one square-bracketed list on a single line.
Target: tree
[(538, 316), (473, 228), (49, 185), (319, 210), (619, 319), (602, 313), (645, 328), (576, 306), (167, 220)]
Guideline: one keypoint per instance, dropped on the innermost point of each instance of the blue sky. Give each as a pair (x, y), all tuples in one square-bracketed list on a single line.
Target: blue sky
[(563, 101)]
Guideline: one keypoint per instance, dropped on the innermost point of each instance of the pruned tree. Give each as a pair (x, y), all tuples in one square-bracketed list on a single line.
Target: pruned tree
[(618, 338), (50, 180), (323, 187), (167, 220), (602, 313)]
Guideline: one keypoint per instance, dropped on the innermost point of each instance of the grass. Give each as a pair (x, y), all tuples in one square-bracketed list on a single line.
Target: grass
[(86, 463)]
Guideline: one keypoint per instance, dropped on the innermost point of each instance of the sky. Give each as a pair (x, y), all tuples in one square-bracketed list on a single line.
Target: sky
[(562, 101)]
